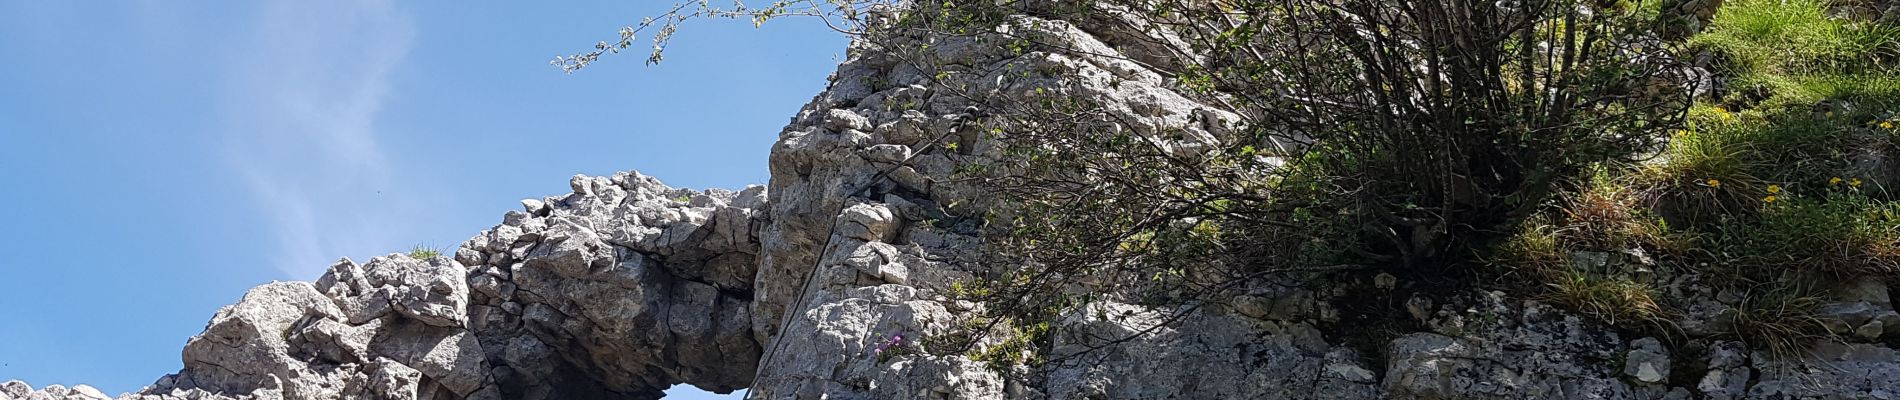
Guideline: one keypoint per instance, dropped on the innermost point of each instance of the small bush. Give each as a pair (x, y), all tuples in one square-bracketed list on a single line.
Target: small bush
[(1021, 348)]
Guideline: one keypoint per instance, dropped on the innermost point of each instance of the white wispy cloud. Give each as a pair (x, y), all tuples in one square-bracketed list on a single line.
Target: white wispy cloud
[(300, 105)]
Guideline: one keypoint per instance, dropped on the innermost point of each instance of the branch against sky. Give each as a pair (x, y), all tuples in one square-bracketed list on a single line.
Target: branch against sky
[(842, 16)]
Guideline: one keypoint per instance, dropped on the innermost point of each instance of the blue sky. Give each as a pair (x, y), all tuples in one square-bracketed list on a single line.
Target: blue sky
[(159, 158)]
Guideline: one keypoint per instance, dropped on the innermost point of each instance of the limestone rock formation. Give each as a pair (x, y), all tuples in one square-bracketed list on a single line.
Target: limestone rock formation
[(826, 287), (620, 289)]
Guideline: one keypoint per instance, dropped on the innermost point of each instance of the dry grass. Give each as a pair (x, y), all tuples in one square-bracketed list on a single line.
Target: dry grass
[(1780, 318), (1616, 300)]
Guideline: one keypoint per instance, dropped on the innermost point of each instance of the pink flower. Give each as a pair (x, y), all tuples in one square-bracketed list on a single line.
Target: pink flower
[(895, 340)]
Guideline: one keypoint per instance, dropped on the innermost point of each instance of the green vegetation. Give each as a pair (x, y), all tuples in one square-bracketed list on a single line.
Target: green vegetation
[(1772, 187), (421, 252), (1841, 234), (1613, 299), (1778, 316), (1364, 155), (1574, 254), (1796, 51)]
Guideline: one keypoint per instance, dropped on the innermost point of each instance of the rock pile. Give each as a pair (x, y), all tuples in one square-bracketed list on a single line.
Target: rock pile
[(620, 289)]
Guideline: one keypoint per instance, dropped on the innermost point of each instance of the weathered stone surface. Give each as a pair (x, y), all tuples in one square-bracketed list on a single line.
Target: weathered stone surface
[(15, 389), (1647, 361), (1493, 348), (246, 347), (620, 289), (432, 291), (847, 215), (388, 380), (1728, 373), (85, 392), (1863, 310), (1831, 371), (634, 285), (1205, 356)]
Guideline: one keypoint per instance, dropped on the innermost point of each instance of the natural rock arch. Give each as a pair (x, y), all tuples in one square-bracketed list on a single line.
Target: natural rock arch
[(624, 287)]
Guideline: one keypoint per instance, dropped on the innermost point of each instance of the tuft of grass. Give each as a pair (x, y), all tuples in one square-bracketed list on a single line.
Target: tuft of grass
[(1616, 300), (1605, 215), (1602, 215), (421, 252), (1705, 172), (1535, 247), (1780, 317), (1608, 213)]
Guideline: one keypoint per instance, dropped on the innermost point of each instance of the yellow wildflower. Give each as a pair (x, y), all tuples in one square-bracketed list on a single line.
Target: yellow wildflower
[(1834, 181), (1886, 124), (1769, 199), (1854, 182), (1715, 183), (1772, 189)]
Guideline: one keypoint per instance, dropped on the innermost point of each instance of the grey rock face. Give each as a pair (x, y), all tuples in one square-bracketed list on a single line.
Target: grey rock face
[(247, 345), (620, 289), (1831, 371), (14, 389), (1728, 373), (1209, 356), (1490, 347), (1863, 310), (1647, 361), (625, 286), (292, 340), (862, 171)]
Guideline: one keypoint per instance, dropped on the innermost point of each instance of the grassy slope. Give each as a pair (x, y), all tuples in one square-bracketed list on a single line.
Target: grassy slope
[(1782, 183)]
